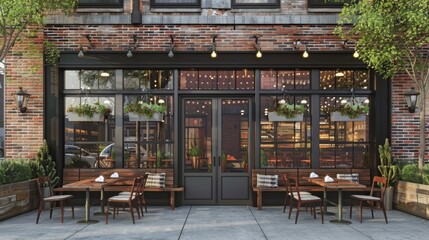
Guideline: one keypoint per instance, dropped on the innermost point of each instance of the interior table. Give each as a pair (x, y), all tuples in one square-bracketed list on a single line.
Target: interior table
[(339, 185)]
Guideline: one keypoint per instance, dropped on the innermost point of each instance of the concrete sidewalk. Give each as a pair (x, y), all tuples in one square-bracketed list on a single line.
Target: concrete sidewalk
[(215, 222)]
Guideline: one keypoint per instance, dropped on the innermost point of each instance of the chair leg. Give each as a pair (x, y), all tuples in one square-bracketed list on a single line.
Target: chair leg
[(384, 211), (107, 213), (321, 210), (284, 205), (360, 211), (351, 208), (38, 214), (72, 207), (297, 212), (290, 209), (131, 212), (372, 209), (62, 211)]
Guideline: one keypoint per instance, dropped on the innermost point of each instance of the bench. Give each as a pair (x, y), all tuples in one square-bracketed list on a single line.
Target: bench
[(74, 175), (364, 178)]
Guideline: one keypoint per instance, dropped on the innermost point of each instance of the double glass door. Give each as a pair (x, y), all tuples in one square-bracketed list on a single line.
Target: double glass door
[(215, 143)]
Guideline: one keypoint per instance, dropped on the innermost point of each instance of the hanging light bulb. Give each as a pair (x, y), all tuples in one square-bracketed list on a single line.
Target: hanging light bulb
[(356, 54), (129, 53), (81, 54), (170, 54), (214, 54), (305, 54), (259, 54)]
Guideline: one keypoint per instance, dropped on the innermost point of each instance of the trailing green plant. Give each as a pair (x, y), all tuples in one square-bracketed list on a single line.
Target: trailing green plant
[(353, 110), (86, 109), (144, 108), (14, 171), (159, 157), (194, 151), (387, 168), (52, 53), (46, 164), (289, 110)]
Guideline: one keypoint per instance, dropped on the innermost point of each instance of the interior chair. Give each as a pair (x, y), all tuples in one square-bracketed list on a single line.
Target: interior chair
[(288, 193), (299, 201), (52, 199), (140, 194), (370, 199), (131, 200)]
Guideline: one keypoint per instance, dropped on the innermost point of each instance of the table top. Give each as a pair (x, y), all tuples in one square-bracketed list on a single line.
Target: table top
[(337, 184), (89, 184)]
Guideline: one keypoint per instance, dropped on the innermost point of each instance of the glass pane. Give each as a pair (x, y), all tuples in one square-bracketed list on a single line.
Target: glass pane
[(327, 155), (235, 117), (226, 80), (245, 79), (302, 79), (107, 79), (71, 79), (344, 79), (269, 79), (286, 79), (189, 79), (207, 80), (361, 79), (136, 79), (361, 156), (327, 80), (198, 135), (88, 79)]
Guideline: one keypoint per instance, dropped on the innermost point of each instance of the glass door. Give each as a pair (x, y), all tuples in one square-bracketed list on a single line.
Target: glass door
[(216, 136)]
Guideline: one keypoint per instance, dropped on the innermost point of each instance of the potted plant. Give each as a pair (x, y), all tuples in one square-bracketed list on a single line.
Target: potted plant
[(194, 152), (143, 111), (388, 170), (86, 112), (286, 112), (350, 111)]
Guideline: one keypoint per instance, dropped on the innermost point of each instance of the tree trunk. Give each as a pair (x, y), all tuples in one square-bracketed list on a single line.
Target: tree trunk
[(422, 144)]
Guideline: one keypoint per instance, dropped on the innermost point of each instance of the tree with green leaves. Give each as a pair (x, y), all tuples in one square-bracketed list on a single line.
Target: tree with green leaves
[(392, 37), (17, 15)]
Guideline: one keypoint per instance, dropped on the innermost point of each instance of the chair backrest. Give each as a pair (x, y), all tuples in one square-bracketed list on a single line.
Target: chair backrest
[(44, 181), (294, 189), (380, 182), (135, 188), (286, 183), (143, 183)]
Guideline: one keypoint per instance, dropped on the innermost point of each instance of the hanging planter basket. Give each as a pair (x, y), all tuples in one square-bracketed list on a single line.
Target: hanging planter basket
[(338, 117), (274, 117), (74, 117), (135, 117)]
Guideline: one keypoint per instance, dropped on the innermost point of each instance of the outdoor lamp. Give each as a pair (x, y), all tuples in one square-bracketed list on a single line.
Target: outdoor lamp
[(411, 98), (257, 46), (214, 54), (171, 53), (21, 99)]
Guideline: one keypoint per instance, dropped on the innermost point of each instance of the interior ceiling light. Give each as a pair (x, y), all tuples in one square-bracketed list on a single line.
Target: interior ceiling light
[(339, 74), (257, 46), (104, 74), (171, 53), (214, 54)]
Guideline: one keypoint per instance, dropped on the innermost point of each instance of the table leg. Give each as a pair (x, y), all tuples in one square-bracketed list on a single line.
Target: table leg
[(340, 209), (325, 203), (87, 209), (102, 211)]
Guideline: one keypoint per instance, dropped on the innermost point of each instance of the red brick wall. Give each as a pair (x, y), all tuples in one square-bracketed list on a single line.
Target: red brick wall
[(194, 37), (24, 67), (405, 125)]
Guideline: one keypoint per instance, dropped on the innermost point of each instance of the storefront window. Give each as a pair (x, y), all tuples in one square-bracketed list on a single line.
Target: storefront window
[(148, 79), (243, 79), (285, 79), (90, 79)]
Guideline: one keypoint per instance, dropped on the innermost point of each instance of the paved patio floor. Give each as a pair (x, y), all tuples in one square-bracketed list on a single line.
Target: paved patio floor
[(215, 222)]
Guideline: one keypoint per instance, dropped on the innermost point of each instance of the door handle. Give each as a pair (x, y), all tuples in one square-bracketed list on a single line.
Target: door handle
[(214, 161)]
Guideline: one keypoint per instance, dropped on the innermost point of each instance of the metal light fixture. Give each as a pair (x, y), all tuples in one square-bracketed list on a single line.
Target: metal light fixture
[(171, 53), (81, 54), (257, 46), (411, 98), (214, 54), (21, 99), (356, 54), (305, 53), (132, 47), (297, 45)]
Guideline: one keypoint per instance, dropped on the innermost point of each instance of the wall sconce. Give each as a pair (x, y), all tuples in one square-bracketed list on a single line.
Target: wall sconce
[(171, 53), (21, 99), (131, 47), (257, 46), (214, 54), (411, 98)]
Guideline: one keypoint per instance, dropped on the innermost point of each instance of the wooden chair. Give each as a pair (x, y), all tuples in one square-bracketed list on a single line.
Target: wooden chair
[(304, 200), (131, 200), (288, 192), (370, 199), (140, 194), (51, 199)]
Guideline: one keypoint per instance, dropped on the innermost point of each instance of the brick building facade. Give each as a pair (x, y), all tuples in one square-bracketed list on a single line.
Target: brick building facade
[(106, 33)]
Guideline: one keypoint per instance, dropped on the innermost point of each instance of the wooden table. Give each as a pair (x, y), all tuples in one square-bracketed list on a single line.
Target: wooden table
[(339, 185), (89, 185)]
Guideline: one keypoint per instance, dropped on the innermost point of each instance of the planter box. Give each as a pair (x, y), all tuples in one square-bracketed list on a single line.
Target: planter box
[(134, 117), (412, 198), (274, 117), (18, 198), (74, 117), (337, 117)]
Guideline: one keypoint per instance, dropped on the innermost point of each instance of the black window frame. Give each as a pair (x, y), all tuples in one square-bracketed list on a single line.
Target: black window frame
[(154, 4), (234, 4), (324, 4), (100, 4)]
